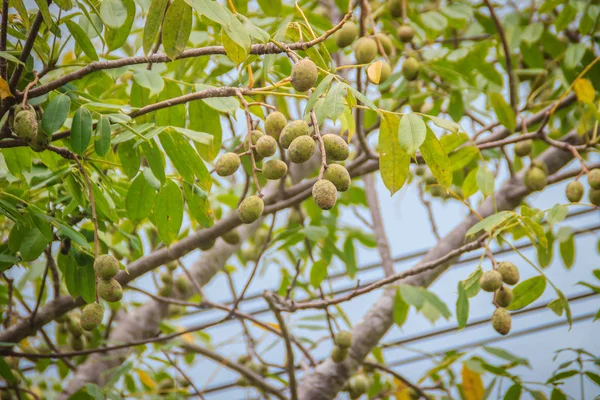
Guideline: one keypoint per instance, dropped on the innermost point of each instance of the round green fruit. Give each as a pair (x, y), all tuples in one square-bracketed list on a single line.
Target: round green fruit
[(291, 131), (227, 164), (491, 281), (274, 169), (231, 237), (274, 124), (501, 321), (301, 149), (40, 141), (594, 178), (420, 170), (255, 135), (365, 50), (386, 43), (25, 124), (343, 339), (106, 266), (523, 148), (386, 71), (574, 191), (405, 33), (346, 35), (77, 343), (395, 7), (74, 327), (339, 176), (110, 290), (336, 147), (251, 209), (535, 179), (165, 290), (325, 194), (207, 245), (91, 316), (266, 146), (504, 296), (540, 165), (360, 384), (304, 75), (594, 197), (166, 277), (182, 284), (339, 354), (510, 272), (410, 68)]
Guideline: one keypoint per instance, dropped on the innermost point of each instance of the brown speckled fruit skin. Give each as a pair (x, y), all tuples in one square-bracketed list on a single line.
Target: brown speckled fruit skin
[(336, 147), (91, 316), (274, 169), (291, 131), (25, 124), (304, 75), (594, 178), (574, 191), (504, 296), (501, 321), (339, 176), (510, 273), (325, 194), (251, 209), (365, 50), (110, 290), (274, 124), (301, 149), (346, 35), (594, 197), (227, 164), (490, 281), (106, 266), (266, 146)]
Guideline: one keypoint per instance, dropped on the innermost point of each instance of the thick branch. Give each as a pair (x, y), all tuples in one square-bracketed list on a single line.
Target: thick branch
[(383, 246)]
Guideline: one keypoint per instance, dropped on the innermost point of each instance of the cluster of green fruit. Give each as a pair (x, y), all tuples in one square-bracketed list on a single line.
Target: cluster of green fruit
[(181, 284), (27, 125), (74, 326), (300, 143), (494, 281), (366, 48), (536, 176), (574, 190), (257, 368), (342, 343)]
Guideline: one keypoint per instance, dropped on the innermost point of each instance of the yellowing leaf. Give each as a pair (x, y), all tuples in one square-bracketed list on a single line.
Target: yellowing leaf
[(374, 72), (250, 77), (584, 90), (187, 337), (402, 391), (271, 324), (145, 379), (472, 384), (68, 57), (4, 89)]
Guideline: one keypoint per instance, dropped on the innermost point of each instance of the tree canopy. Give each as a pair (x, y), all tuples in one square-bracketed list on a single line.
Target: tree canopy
[(149, 146)]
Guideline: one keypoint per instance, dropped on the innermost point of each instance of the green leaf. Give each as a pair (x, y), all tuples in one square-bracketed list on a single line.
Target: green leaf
[(557, 214), (394, 163), (113, 13), (503, 110), (198, 204), (149, 79), (566, 306), (171, 116), (462, 157), (56, 113), (129, 157), (102, 137), (532, 32), (140, 199), (490, 223), (561, 376), (185, 159), (237, 53), (593, 376), (82, 40), (485, 181), (445, 123), (317, 93), (87, 283), (318, 273), (81, 130), (315, 233), (6, 372), (514, 392), (177, 28), (350, 257), (411, 133), (565, 17), (471, 284), (527, 292), (168, 212), (401, 309), (115, 38), (154, 20), (45, 11), (436, 158), (203, 119), (558, 394), (567, 251), (462, 306), (334, 101), (506, 355), (155, 158), (270, 7), (32, 244)]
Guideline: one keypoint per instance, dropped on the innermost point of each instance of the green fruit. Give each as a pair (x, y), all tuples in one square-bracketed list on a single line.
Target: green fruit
[(250, 253), (405, 33), (594, 197), (343, 339), (77, 343), (336, 147), (182, 284), (504, 296), (339, 354), (207, 245), (541, 165), (325, 194), (430, 180), (255, 135), (395, 7), (420, 170), (491, 281), (274, 123), (594, 178), (274, 169), (40, 140), (436, 191), (574, 191), (410, 68), (166, 383), (304, 75), (74, 327), (339, 176), (386, 43), (231, 237), (523, 148), (291, 131), (106, 266), (266, 146), (25, 124), (509, 272), (166, 278), (110, 290), (227, 164), (386, 71), (365, 50), (165, 291), (360, 384), (346, 35), (91, 316), (251, 209), (244, 359), (535, 179), (501, 321), (301, 149)]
